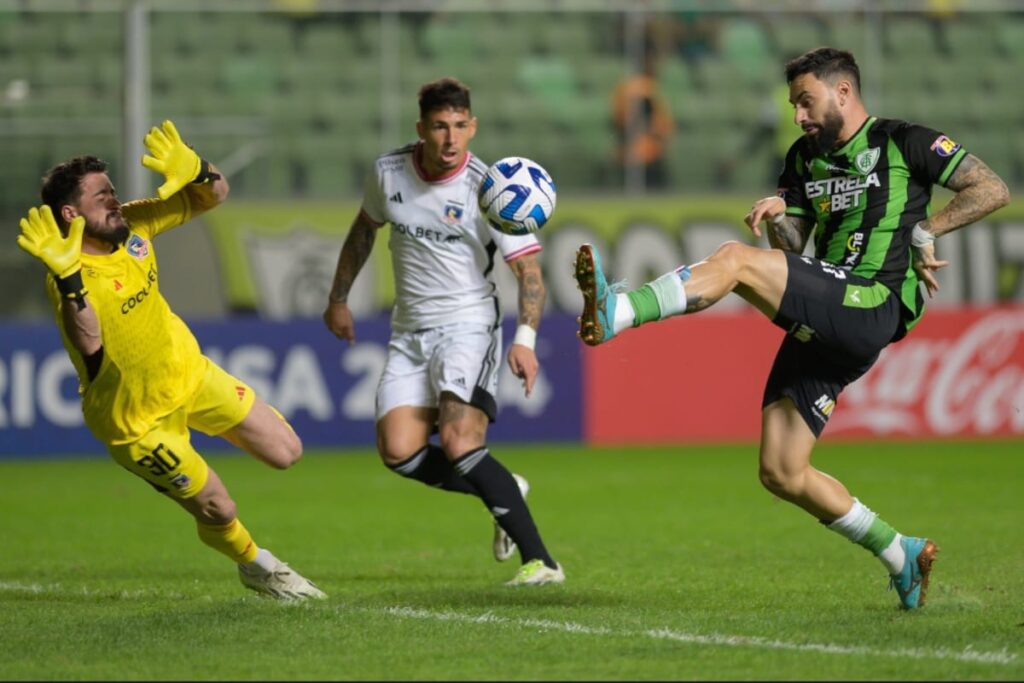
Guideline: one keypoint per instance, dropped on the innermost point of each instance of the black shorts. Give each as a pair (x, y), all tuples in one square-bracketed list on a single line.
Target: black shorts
[(836, 323)]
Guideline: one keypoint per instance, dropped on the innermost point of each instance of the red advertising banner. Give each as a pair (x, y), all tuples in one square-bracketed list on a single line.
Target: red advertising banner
[(959, 373), (691, 378)]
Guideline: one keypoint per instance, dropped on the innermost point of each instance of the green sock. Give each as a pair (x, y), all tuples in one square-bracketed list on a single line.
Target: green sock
[(645, 305), (878, 537)]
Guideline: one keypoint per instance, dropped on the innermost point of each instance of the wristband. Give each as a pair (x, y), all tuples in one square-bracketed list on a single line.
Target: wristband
[(921, 237), (205, 175), (525, 336), (72, 288)]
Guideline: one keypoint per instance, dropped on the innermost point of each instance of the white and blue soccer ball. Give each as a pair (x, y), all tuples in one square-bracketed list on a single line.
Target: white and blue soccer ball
[(517, 196)]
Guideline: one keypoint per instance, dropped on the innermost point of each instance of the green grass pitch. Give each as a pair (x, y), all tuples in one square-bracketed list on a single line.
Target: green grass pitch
[(679, 566)]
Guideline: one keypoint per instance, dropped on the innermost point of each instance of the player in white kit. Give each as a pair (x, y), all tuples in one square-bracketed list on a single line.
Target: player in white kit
[(443, 357)]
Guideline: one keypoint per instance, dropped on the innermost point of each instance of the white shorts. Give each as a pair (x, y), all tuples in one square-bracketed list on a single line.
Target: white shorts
[(461, 358)]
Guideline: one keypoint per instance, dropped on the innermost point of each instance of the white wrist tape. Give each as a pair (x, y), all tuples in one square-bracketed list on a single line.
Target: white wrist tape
[(778, 218), (525, 336), (921, 237)]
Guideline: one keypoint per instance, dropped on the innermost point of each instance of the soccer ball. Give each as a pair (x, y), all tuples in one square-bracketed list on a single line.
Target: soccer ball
[(517, 196)]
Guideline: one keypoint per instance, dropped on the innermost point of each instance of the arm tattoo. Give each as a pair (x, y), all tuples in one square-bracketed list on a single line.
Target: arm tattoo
[(531, 289), (354, 253), (979, 192), (790, 235)]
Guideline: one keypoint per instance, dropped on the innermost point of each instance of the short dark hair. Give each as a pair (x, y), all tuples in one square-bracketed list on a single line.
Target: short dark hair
[(443, 93), (826, 63), (62, 184)]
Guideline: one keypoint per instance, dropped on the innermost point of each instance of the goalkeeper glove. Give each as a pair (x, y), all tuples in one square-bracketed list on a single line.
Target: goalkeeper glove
[(169, 155), (41, 237)]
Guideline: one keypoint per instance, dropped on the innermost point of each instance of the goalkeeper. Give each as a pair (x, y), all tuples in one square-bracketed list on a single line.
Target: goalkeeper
[(143, 380)]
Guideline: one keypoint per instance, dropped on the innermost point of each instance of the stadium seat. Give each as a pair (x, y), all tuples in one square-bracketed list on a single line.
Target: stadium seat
[(601, 74), (453, 38), (793, 35), (910, 37), (743, 44), (1009, 36), (674, 76), (326, 44), (848, 32)]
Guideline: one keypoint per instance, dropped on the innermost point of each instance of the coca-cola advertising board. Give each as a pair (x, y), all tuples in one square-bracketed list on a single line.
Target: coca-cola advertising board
[(959, 373)]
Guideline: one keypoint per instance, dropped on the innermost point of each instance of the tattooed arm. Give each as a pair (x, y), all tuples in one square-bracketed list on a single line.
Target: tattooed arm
[(979, 192), (789, 233), (354, 253), (531, 289), (521, 357)]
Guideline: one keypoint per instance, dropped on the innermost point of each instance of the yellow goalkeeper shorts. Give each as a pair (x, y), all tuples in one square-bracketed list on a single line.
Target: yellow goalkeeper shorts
[(164, 456)]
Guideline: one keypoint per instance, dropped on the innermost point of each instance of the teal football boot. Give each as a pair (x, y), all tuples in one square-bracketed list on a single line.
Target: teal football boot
[(912, 582), (598, 318)]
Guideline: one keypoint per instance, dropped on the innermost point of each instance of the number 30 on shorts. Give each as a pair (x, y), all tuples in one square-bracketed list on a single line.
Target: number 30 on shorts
[(161, 461)]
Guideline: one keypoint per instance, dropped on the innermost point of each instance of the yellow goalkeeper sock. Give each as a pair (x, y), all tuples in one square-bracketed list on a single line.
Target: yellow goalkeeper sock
[(232, 539)]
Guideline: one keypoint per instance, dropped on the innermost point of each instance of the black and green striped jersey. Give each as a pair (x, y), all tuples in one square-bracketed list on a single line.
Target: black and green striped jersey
[(866, 196)]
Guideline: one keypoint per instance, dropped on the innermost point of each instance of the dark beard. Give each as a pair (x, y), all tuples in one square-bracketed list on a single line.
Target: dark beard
[(823, 143), (115, 238)]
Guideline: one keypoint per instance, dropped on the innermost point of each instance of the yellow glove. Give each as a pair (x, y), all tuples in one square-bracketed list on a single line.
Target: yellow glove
[(41, 237), (172, 157)]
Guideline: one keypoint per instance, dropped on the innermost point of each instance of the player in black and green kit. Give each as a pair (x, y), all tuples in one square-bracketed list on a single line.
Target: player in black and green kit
[(863, 184)]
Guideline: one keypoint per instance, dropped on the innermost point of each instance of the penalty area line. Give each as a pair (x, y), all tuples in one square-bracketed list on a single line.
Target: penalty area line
[(967, 654)]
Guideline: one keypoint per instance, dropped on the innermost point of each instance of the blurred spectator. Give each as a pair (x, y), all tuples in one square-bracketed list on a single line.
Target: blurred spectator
[(643, 125)]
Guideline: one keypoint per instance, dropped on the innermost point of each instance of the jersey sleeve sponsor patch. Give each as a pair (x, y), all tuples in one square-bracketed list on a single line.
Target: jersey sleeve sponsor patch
[(944, 146)]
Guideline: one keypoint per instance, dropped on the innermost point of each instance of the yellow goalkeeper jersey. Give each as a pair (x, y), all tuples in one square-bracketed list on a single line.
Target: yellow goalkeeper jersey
[(151, 360)]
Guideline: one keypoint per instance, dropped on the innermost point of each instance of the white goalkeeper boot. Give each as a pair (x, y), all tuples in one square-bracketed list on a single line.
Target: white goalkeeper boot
[(504, 547), (280, 581)]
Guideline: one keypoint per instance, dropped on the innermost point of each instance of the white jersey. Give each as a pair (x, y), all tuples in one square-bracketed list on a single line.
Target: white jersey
[(442, 248)]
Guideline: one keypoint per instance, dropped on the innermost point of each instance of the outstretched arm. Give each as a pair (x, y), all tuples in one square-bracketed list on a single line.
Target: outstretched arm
[(522, 359), (41, 237), (183, 169), (354, 253), (979, 192)]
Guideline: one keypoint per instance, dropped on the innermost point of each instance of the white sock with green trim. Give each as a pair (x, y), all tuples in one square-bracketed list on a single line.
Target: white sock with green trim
[(863, 527), (670, 293)]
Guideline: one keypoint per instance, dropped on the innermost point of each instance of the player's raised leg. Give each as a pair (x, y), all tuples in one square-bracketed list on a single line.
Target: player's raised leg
[(757, 275)]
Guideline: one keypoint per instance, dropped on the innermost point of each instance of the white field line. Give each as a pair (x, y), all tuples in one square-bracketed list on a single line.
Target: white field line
[(58, 589), (968, 654)]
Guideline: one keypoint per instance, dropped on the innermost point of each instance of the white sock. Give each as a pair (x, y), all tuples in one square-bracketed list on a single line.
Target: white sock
[(855, 523), (670, 293), (624, 313), (894, 556), (264, 560)]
